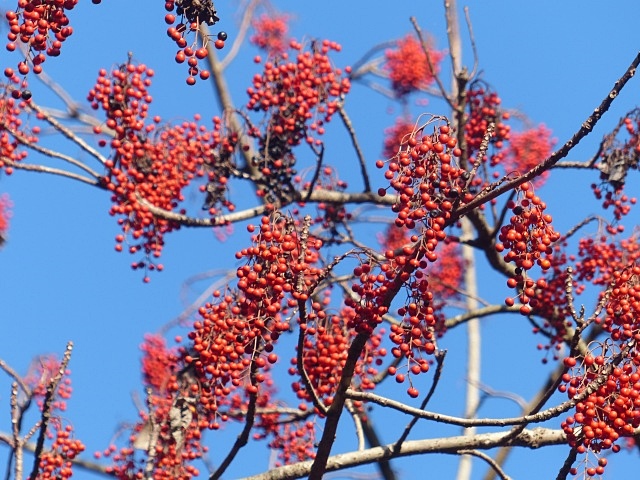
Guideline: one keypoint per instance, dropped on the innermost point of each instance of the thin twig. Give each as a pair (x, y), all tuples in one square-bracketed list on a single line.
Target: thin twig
[(48, 152), (357, 423), (432, 70), (436, 379), (66, 132), (50, 170), (243, 438), (492, 463), (247, 15), (354, 140)]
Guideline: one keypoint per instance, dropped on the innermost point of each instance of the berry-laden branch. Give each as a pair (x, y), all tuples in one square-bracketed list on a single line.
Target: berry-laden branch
[(46, 409), (585, 129), (536, 438)]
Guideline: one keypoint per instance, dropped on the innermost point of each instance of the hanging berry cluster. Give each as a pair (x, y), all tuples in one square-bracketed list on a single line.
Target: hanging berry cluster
[(271, 33), (233, 343), (12, 122), (408, 67), (528, 240), (56, 463), (611, 410), (299, 96), (174, 423), (325, 350), (190, 14), (151, 165), (42, 26), (56, 460), (618, 155), (330, 215), (484, 109), (427, 182)]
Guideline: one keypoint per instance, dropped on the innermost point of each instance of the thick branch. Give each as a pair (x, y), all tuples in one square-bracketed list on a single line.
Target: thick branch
[(535, 438)]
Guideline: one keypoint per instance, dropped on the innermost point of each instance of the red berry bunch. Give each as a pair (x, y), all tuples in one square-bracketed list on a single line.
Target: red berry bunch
[(528, 239), (614, 197), (12, 122), (299, 96), (151, 165), (40, 374), (271, 33), (295, 442), (330, 215), (233, 343), (618, 155), (600, 257), (124, 97), (528, 149), (189, 15), (57, 462), (5, 215), (40, 25), (408, 67), (371, 284), (622, 320), (175, 414), (484, 109), (609, 413), (325, 350), (427, 181), (396, 136)]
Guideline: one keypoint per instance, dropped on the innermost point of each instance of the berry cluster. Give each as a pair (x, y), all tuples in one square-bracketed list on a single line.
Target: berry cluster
[(484, 109), (330, 215), (151, 165), (174, 421), (13, 103), (325, 350), (408, 67), (607, 414), (5, 215), (612, 410), (295, 442), (528, 239), (271, 34), (427, 182), (528, 149), (189, 15), (299, 97), (56, 463), (618, 155), (41, 25), (233, 343)]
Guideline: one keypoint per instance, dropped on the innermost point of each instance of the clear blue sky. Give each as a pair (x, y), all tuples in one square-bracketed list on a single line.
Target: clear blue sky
[(60, 278)]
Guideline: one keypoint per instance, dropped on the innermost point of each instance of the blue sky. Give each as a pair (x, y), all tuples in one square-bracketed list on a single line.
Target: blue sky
[(60, 278)]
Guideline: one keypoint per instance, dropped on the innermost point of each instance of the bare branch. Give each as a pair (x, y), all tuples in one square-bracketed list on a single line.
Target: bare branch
[(535, 438), (492, 463), (354, 140)]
